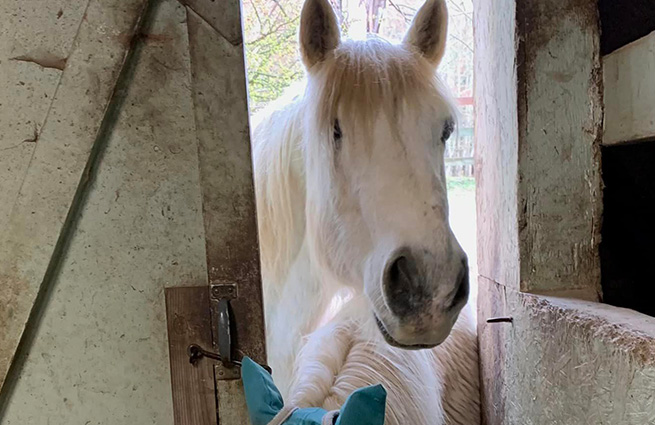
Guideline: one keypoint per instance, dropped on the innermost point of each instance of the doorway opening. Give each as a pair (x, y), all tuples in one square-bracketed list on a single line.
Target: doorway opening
[(273, 65)]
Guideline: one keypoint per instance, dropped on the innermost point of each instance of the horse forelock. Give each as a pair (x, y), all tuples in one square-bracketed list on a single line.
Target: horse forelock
[(363, 79)]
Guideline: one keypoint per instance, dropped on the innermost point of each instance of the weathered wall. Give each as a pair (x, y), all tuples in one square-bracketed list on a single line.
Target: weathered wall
[(102, 211), (31, 64), (565, 362), (43, 189), (538, 133), (100, 354)]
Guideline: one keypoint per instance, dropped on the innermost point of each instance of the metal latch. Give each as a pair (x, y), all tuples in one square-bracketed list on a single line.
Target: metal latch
[(228, 367), (220, 295)]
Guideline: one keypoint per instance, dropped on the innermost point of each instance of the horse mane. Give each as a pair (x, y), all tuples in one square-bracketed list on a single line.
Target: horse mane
[(279, 184)]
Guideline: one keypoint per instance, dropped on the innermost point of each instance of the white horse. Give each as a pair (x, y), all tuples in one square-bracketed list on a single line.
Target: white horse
[(351, 195)]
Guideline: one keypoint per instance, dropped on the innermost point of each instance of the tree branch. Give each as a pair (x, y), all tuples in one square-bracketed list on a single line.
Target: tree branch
[(395, 6)]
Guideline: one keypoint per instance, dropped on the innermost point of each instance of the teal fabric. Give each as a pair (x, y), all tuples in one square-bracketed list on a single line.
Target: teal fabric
[(364, 406), (262, 396)]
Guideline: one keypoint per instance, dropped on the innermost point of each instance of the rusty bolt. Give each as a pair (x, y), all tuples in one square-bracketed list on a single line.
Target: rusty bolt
[(500, 320)]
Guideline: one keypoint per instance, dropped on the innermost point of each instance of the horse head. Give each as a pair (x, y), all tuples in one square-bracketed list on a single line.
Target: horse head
[(376, 120)]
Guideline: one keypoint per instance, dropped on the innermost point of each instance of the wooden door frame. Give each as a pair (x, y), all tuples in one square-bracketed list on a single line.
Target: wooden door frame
[(229, 213)]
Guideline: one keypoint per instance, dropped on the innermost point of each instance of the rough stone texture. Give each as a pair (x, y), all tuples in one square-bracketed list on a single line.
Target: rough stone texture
[(101, 353), (560, 128), (35, 40), (496, 132), (57, 163), (630, 92), (564, 362)]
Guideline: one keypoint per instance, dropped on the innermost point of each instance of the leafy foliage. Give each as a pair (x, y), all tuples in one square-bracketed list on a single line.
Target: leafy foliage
[(271, 29)]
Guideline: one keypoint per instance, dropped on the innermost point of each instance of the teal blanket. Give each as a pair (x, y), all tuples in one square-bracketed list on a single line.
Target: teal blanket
[(364, 406)]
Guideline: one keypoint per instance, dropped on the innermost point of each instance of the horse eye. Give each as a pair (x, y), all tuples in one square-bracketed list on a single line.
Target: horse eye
[(337, 131), (448, 128)]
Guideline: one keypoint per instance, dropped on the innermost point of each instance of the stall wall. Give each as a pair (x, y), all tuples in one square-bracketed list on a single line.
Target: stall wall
[(560, 356), (100, 200)]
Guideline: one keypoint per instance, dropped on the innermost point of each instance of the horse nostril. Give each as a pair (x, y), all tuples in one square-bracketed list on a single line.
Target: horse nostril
[(397, 279), (402, 285), (399, 271), (462, 286)]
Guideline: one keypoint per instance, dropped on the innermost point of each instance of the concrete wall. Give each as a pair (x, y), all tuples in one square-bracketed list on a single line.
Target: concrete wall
[(100, 199), (539, 129)]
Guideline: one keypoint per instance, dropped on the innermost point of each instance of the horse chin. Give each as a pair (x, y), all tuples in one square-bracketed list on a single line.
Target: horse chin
[(391, 341)]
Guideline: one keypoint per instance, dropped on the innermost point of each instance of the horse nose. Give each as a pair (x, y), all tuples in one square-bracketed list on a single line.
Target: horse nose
[(408, 291), (404, 285), (462, 288)]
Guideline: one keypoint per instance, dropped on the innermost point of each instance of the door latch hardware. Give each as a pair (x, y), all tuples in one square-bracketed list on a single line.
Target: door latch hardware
[(196, 353)]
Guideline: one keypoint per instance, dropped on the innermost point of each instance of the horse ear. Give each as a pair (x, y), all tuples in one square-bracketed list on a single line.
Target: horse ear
[(319, 31), (427, 34)]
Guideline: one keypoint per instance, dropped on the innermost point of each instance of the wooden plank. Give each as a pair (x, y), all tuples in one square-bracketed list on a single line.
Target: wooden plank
[(496, 141), (560, 106), (35, 236), (630, 92), (187, 310), (224, 16), (221, 110), (226, 177)]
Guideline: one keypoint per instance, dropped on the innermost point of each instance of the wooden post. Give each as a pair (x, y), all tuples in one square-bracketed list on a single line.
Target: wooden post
[(194, 393), (228, 206)]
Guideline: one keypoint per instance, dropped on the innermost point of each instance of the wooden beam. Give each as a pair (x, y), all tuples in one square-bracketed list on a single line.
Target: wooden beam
[(187, 312), (630, 92), (228, 195), (538, 132)]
